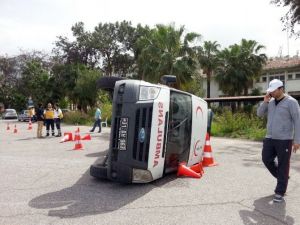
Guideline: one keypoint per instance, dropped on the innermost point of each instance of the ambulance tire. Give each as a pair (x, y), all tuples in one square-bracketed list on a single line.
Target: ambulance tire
[(108, 83), (98, 171)]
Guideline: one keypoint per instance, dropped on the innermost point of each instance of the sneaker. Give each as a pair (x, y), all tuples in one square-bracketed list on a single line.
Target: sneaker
[(47, 135), (278, 198), (53, 134)]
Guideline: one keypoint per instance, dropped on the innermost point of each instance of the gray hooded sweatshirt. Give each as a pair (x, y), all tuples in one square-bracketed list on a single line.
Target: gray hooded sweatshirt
[(283, 119)]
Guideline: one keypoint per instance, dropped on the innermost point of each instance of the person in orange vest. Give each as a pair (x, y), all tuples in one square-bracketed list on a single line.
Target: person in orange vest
[(49, 119), (31, 113)]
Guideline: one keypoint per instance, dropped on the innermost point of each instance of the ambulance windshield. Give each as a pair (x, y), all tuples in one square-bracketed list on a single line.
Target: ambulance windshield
[(179, 131)]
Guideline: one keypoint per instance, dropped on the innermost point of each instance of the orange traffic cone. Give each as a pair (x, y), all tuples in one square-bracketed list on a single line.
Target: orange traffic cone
[(15, 129), (67, 137), (86, 137), (198, 168), (207, 153), (29, 125), (7, 128), (183, 170), (78, 145)]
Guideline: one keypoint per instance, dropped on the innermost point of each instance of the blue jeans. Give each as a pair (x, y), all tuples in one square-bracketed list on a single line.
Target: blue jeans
[(97, 123)]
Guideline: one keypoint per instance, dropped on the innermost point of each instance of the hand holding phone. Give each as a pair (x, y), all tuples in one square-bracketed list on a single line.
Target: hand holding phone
[(267, 97)]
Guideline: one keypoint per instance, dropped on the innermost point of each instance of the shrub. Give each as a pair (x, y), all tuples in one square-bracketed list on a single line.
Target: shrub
[(77, 118), (107, 112), (238, 125)]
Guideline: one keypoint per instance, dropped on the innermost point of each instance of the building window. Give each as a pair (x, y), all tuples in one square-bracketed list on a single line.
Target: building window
[(290, 76), (264, 79), (297, 75), (279, 77)]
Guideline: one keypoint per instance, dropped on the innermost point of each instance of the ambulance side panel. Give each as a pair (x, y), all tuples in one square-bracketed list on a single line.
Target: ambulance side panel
[(199, 129)]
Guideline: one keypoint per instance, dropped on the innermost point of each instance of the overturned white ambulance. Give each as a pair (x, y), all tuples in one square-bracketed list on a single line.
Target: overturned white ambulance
[(154, 128)]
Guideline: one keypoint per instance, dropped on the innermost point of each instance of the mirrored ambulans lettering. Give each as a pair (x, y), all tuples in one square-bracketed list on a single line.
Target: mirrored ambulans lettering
[(160, 130)]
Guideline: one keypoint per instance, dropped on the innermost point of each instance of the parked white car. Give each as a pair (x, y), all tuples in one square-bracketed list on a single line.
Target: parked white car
[(10, 114)]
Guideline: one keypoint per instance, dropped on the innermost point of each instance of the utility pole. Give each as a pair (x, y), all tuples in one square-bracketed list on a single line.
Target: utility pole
[(279, 52), (287, 42)]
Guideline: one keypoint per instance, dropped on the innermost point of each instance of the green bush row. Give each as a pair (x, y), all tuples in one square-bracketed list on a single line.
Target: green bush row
[(81, 118), (238, 125)]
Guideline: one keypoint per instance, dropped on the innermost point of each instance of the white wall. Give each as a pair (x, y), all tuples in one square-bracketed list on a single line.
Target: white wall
[(291, 85)]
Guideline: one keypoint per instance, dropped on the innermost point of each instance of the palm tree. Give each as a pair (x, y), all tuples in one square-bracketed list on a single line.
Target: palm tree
[(166, 50), (241, 65), (254, 61), (228, 74), (209, 61)]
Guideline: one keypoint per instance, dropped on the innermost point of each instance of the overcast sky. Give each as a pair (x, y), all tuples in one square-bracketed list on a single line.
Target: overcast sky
[(35, 24)]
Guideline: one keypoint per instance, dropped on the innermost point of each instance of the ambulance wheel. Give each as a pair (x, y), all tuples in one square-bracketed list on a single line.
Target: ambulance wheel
[(98, 171), (108, 83)]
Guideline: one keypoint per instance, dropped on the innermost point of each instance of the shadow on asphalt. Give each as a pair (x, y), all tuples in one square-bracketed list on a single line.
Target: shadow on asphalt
[(89, 196), (26, 139), (102, 135), (266, 212), (98, 154)]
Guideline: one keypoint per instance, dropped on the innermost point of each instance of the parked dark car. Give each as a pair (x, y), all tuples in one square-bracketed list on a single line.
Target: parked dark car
[(9, 114), (25, 116)]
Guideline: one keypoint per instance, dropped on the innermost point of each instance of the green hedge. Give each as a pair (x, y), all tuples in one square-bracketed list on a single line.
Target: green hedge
[(238, 125), (77, 118), (81, 118)]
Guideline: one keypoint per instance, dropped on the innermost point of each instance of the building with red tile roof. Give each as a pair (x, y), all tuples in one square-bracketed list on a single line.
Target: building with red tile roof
[(285, 69)]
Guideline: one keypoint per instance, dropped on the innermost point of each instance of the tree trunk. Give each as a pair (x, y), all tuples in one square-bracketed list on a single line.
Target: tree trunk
[(84, 107), (208, 84)]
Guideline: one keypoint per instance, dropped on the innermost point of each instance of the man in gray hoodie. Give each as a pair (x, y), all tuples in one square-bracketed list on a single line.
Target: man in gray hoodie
[(283, 134)]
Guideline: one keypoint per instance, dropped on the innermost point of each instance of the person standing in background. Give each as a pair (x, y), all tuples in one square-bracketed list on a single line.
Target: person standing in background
[(58, 115), (49, 119), (283, 134), (97, 122), (32, 113), (40, 120)]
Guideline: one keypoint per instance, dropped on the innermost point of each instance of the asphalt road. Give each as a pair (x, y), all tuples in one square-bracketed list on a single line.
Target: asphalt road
[(46, 182)]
